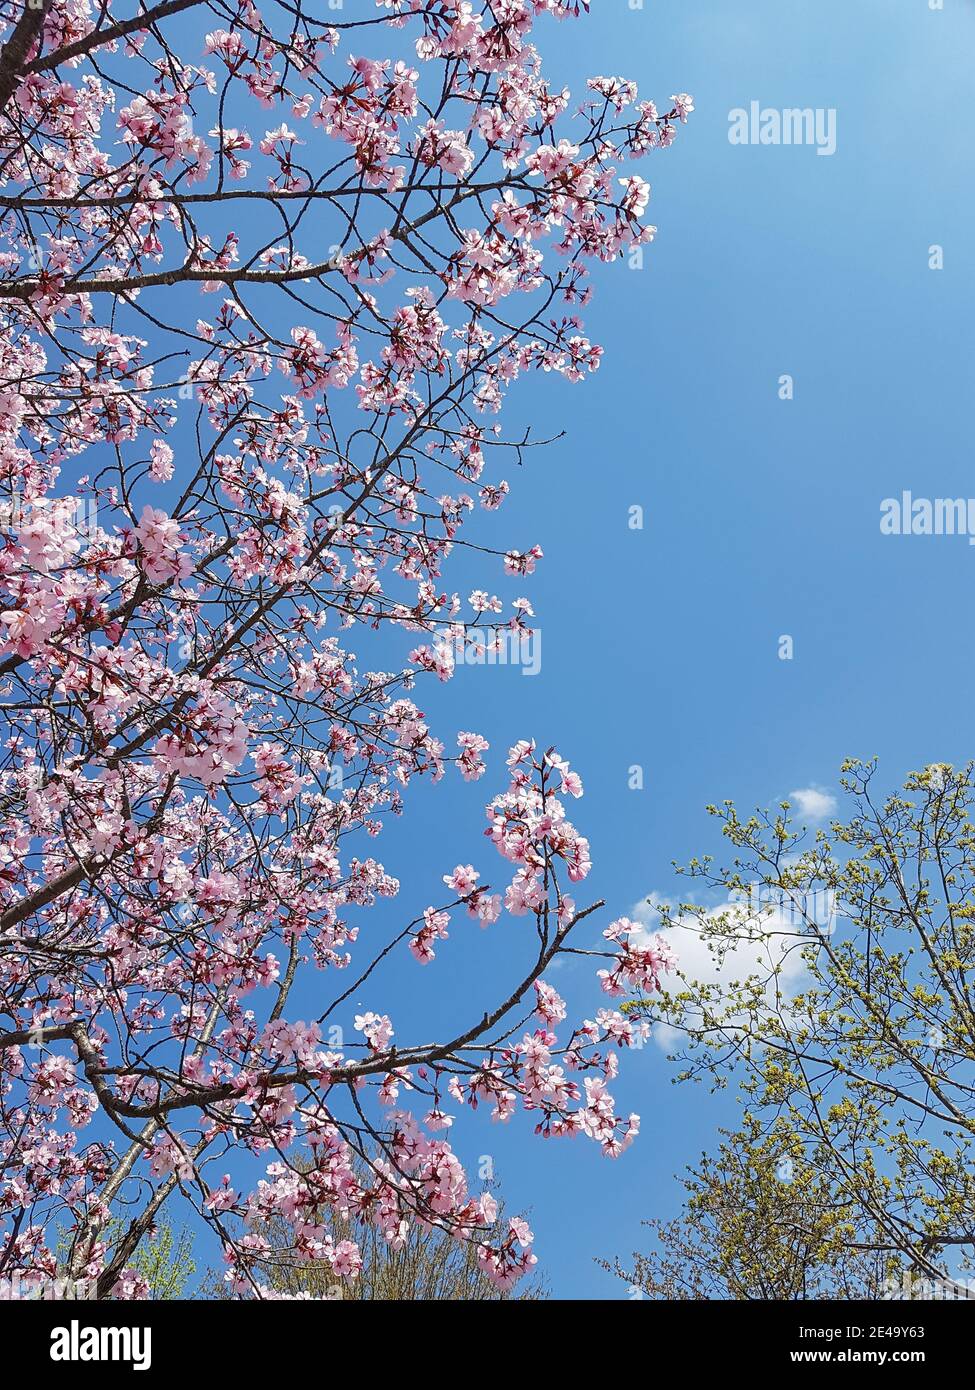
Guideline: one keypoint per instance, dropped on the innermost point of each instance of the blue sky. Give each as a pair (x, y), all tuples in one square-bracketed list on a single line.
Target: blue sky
[(660, 646)]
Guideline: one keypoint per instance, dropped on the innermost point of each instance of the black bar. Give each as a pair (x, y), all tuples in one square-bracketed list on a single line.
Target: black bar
[(194, 1338)]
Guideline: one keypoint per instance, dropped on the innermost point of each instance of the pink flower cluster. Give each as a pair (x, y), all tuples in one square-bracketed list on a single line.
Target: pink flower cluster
[(235, 465)]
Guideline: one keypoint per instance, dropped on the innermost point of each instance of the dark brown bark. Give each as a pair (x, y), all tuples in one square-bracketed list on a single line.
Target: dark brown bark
[(13, 56)]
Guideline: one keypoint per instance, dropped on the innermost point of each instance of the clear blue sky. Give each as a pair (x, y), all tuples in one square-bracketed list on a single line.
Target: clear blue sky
[(660, 646)]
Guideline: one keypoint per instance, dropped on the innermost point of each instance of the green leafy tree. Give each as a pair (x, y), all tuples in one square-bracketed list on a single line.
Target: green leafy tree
[(163, 1259), (757, 1223), (852, 1040)]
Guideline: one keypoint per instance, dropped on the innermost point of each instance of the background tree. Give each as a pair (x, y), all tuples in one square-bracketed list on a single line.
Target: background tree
[(163, 1262), (862, 1063), (758, 1223), (428, 1265), (265, 281)]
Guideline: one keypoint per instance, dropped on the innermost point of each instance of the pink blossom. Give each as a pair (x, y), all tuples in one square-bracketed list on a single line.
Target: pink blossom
[(463, 880), (212, 717), (377, 1029)]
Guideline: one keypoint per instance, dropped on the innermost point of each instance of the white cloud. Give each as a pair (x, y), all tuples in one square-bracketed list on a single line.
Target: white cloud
[(812, 803), (776, 947)]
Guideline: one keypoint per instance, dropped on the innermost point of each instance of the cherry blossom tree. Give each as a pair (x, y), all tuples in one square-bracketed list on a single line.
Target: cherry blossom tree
[(427, 1265), (265, 280)]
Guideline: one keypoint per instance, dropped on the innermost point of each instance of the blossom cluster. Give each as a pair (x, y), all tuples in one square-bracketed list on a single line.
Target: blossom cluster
[(250, 380)]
